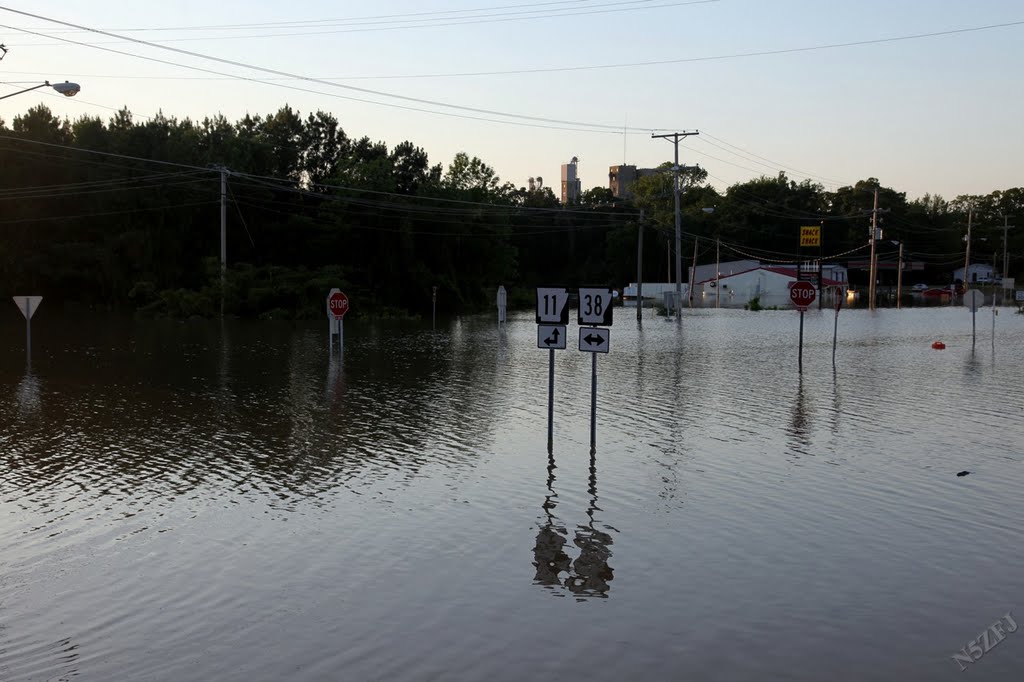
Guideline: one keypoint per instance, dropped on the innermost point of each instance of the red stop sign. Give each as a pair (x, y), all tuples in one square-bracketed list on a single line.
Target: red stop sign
[(337, 304), (802, 294)]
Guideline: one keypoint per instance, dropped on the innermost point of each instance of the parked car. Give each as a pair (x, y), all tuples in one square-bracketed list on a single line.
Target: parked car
[(919, 287)]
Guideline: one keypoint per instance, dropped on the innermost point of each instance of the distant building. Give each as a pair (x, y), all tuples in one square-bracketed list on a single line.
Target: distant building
[(621, 179), (571, 189), (735, 283), (978, 273)]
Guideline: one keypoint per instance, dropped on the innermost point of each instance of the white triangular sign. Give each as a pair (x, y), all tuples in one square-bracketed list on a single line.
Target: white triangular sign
[(28, 305)]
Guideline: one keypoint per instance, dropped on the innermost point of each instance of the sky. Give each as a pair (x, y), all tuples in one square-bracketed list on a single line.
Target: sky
[(936, 114)]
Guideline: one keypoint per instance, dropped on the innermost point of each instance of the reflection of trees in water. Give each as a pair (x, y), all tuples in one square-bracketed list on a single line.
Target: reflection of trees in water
[(589, 574), (257, 413)]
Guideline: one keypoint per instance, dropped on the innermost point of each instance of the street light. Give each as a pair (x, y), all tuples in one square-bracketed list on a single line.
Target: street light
[(67, 88)]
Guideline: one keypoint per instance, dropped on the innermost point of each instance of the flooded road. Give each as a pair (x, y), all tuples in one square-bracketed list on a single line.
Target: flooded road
[(186, 501)]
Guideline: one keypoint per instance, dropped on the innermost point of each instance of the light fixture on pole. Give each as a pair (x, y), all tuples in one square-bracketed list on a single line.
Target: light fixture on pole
[(67, 88)]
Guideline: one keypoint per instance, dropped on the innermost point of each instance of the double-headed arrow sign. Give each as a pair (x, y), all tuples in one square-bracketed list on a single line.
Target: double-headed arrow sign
[(594, 339)]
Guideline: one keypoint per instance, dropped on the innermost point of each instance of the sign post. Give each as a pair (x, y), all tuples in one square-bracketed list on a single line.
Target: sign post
[(502, 304), (337, 306), (595, 309), (835, 332), (28, 306), (974, 299), (552, 318), (802, 294)]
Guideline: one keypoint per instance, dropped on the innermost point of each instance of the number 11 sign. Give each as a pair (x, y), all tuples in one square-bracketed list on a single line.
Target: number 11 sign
[(552, 305)]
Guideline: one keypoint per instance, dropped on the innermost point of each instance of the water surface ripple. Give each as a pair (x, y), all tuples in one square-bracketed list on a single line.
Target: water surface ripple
[(207, 501)]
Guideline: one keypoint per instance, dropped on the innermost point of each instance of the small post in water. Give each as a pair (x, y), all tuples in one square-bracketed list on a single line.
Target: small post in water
[(433, 301), (835, 331), (502, 305)]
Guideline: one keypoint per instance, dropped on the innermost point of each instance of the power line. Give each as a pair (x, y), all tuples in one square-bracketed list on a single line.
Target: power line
[(108, 213), (435, 103), (397, 25), (203, 27), (585, 67)]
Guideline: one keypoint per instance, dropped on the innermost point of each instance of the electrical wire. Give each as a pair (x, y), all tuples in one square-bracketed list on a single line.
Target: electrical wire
[(367, 91), (501, 17), (107, 213), (658, 62)]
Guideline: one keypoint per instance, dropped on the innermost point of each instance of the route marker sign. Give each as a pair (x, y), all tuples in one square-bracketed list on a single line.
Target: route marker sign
[(594, 339), (552, 305), (802, 294), (595, 306), (551, 336)]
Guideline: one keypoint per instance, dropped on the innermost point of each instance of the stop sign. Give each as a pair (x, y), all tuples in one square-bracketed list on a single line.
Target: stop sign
[(802, 294), (337, 304)]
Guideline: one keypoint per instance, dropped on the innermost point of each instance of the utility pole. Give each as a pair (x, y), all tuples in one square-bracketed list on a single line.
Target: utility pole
[(675, 137), (693, 270), (967, 258), (899, 279), (223, 235), (640, 267), (873, 266)]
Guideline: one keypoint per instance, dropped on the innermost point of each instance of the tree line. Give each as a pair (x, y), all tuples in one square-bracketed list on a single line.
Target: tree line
[(126, 215)]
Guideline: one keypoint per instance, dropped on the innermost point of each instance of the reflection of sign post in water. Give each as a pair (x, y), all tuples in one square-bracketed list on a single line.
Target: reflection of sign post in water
[(337, 306), (595, 309), (28, 306), (802, 294), (552, 316), (974, 299)]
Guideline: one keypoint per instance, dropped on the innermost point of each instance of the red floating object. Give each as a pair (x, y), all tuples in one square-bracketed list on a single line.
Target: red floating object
[(938, 345)]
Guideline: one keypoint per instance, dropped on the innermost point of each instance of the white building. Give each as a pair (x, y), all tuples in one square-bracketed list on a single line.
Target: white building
[(768, 284), (978, 273)]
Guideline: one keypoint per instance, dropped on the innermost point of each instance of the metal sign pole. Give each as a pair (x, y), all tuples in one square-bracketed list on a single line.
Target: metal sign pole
[(28, 330), (835, 337), (551, 400), (800, 359), (593, 402), (341, 337), (974, 328)]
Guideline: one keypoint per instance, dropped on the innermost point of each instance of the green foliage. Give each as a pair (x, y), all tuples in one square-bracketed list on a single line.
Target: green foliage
[(311, 208)]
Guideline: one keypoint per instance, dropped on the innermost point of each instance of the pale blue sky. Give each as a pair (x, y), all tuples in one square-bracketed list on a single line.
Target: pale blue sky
[(938, 114)]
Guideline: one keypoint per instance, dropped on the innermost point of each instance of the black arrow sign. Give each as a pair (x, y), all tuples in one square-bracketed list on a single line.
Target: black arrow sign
[(553, 339), (593, 340)]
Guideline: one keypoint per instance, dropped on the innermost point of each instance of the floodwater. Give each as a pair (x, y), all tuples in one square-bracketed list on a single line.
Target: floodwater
[(185, 501)]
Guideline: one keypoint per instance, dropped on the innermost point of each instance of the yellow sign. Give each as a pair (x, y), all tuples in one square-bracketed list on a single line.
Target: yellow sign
[(810, 235)]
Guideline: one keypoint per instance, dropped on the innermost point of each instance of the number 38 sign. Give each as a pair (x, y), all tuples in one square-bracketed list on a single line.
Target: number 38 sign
[(595, 307)]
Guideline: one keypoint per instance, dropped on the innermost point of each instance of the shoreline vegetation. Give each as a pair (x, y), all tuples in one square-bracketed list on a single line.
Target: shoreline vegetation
[(126, 215)]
